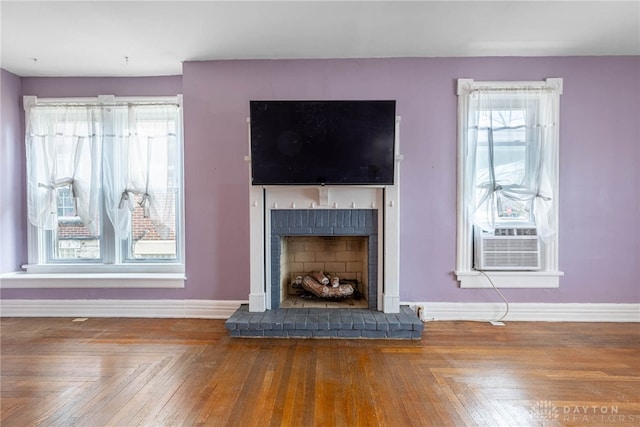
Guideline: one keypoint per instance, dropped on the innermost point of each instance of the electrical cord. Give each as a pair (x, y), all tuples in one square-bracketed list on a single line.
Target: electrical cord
[(419, 309), (501, 296)]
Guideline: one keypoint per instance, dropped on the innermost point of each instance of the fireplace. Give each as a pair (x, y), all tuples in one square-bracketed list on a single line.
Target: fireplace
[(340, 242), (366, 214), (328, 219)]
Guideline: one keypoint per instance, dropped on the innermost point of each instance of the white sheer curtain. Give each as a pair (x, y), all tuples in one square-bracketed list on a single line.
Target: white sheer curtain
[(142, 161), (64, 149), (510, 148)]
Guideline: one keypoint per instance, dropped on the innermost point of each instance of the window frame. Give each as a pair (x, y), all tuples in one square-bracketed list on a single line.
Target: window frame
[(112, 263), (549, 275)]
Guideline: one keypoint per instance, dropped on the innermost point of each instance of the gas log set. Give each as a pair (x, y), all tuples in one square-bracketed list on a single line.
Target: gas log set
[(325, 286)]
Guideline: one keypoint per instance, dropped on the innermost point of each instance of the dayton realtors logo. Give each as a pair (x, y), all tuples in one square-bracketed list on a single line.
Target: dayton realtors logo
[(547, 413)]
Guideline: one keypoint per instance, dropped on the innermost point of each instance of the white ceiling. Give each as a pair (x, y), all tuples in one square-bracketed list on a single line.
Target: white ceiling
[(145, 38)]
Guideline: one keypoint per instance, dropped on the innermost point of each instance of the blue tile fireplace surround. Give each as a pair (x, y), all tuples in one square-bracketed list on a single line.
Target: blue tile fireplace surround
[(325, 322)]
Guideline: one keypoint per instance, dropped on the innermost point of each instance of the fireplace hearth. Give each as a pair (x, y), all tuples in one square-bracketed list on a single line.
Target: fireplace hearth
[(323, 323)]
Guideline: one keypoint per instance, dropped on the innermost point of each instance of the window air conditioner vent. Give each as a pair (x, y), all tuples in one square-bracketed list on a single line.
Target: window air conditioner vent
[(507, 249), (515, 232)]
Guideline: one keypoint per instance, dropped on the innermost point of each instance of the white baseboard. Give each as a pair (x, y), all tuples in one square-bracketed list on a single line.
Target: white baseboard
[(222, 309), (529, 312), (207, 309)]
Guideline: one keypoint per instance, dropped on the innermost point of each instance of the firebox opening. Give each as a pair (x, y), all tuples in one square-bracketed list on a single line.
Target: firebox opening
[(343, 256)]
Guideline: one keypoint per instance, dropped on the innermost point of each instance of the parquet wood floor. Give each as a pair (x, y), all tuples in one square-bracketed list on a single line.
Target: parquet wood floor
[(188, 372)]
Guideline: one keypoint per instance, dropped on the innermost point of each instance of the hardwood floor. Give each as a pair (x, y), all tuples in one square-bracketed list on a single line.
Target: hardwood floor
[(175, 372)]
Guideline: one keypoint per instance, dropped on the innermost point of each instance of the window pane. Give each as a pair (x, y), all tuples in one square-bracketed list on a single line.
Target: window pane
[(154, 157), (508, 126), (513, 210), (73, 241), (146, 242), (66, 205), (505, 128)]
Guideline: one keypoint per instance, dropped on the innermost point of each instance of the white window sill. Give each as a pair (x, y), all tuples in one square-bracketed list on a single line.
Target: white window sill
[(128, 268), (23, 280), (509, 279)]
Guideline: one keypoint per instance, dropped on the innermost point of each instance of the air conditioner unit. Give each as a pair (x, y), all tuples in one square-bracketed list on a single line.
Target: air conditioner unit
[(506, 249)]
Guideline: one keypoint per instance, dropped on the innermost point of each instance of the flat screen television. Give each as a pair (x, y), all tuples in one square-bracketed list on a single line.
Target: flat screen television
[(322, 142)]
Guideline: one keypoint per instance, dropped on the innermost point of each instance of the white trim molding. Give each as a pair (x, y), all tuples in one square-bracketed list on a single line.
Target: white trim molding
[(23, 280), (205, 309), (528, 312), (223, 309), (509, 279)]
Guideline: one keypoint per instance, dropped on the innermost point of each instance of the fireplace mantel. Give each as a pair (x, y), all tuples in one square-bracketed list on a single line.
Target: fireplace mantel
[(384, 198)]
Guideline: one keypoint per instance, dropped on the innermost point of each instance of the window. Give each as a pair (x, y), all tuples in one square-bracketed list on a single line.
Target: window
[(66, 207), (508, 173), (104, 181)]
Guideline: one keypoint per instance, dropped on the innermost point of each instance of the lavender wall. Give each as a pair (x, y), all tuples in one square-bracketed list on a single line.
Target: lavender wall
[(600, 154), (93, 86), (13, 236)]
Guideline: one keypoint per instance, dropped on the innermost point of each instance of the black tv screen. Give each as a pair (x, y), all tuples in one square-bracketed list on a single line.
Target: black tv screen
[(322, 142)]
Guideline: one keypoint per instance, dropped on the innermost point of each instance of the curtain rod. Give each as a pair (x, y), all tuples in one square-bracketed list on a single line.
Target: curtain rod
[(467, 86), (98, 104), (514, 89), (102, 101)]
